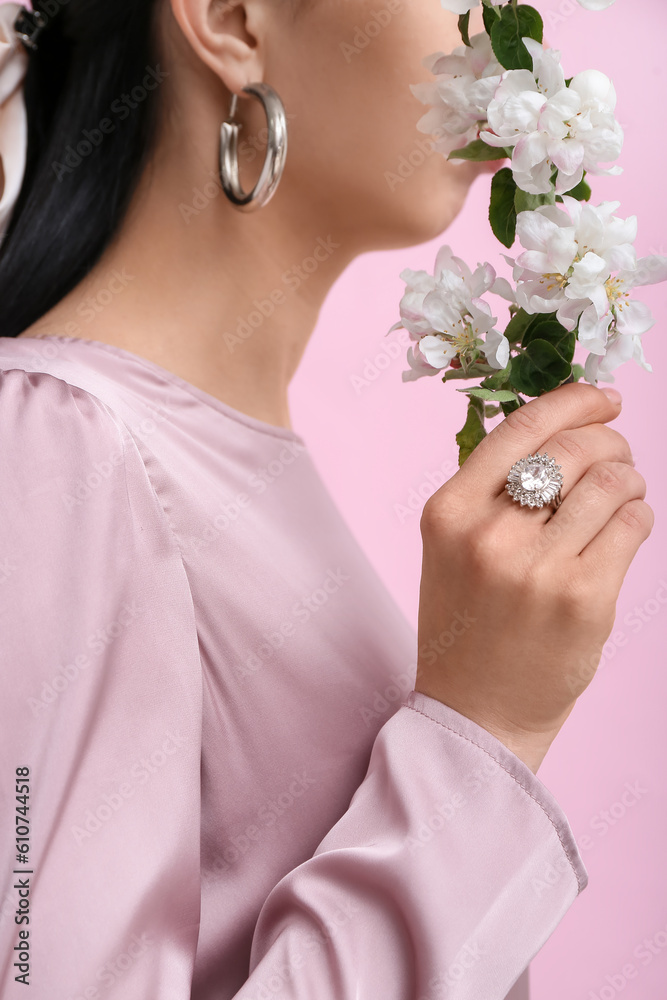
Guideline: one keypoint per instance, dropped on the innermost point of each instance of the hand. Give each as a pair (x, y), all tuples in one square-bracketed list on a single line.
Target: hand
[(516, 603)]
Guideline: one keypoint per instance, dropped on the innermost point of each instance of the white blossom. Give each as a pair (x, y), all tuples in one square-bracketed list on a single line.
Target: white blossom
[(462, 6), (580, 263), (465, 83), (446, 315), (552, 126), (620, 348)]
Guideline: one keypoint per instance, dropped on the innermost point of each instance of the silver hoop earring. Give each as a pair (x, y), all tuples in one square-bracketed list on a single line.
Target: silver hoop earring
[(276, 151)]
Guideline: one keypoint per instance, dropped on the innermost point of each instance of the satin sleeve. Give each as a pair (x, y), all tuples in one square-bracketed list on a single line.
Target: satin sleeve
[(446, 874), (101, 701), (450, 869)]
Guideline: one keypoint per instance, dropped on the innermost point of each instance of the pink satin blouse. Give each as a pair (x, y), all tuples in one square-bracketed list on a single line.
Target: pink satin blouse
[(232, 788)]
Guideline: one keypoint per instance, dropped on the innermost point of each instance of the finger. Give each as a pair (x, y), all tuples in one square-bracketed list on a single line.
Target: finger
[(575, 450), (610, 553), (523, 432), (590, 505)]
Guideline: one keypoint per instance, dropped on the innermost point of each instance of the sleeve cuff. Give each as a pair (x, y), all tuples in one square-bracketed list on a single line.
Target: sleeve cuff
[(466, 729)]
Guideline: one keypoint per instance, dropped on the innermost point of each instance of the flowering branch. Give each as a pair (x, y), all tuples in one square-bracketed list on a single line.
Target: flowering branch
[(503, 96)]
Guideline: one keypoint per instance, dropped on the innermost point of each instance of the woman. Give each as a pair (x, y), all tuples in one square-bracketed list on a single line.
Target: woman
[(238, 785)]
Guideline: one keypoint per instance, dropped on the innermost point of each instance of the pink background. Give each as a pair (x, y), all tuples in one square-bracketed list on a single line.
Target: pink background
[(374, 444), (377, 443)]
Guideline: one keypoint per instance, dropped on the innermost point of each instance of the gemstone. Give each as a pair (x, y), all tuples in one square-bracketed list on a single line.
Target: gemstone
[(534, 477)]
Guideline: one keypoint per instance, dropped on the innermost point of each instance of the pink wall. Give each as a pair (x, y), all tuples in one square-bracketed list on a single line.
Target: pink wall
[(373, 448)]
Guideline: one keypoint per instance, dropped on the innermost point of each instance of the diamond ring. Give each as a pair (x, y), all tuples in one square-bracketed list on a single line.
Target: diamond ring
[(535, 481)]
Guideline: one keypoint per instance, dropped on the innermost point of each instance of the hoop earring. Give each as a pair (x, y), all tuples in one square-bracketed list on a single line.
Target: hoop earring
[(276, 151)]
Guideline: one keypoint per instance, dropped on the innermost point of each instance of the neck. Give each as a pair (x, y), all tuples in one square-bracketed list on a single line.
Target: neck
[(227, 300)]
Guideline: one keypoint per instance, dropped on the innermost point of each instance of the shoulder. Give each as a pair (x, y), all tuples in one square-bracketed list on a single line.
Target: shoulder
[(52, 430), (78, 510), (40, 399), (69, 465)]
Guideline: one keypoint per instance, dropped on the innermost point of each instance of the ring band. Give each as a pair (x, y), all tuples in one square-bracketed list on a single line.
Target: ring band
[(535, 481)]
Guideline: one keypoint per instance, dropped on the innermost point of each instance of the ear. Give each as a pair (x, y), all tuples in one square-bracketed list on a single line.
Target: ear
[(221, 34)]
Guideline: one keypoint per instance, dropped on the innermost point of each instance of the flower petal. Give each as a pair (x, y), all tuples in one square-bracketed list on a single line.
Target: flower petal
[(459, 6), (594, 86), (502, 287), (634, 318), (596, 4), (438, 352), (497, 349), (650, 271)]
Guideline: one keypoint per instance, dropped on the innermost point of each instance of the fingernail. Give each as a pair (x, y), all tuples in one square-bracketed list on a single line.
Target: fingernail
[(614, 395)]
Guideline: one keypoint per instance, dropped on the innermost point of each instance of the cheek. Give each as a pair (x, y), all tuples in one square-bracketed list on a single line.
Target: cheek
[(354, 137), (346, 67)]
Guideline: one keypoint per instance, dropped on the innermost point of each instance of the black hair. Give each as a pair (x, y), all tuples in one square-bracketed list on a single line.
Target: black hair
[(92, 101)]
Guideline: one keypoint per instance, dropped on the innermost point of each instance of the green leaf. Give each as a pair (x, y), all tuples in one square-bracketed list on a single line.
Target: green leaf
[(539, 368), (464, 28), (497, 380), (546, 327), (525, 327), (472, 431), (499, 396), (479, 151), (525, 202), (490, 17), (578, 372), (479, 370), (517, 326), (491, 411), (508, 31), (502, 213), (454, 373), (582, 192), (510, 407)]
